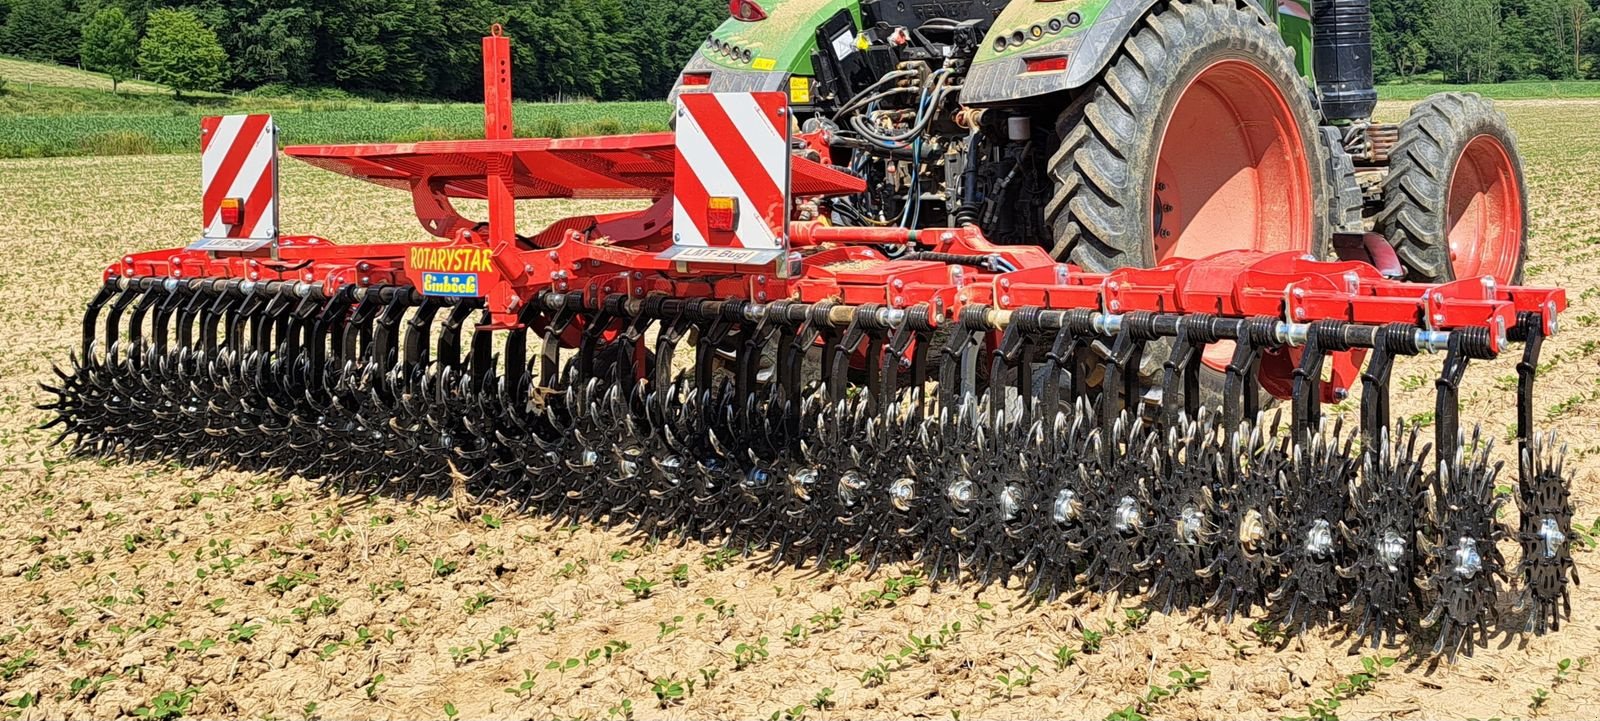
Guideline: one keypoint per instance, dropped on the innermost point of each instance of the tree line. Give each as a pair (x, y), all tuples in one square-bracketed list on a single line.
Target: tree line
[(423, 49), (627, 49)]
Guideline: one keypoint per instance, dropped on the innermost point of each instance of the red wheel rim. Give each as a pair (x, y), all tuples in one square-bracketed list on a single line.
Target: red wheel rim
[(1484, 223), (1231, 173)]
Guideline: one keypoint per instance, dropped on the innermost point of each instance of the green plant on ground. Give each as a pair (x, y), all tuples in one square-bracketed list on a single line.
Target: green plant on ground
[(746, 654), (167, 705), (1353, 685)]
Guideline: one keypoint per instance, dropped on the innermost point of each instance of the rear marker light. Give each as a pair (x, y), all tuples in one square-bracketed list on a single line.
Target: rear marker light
[(232, 211), (722, 214), (696, 80), (1045, 65)]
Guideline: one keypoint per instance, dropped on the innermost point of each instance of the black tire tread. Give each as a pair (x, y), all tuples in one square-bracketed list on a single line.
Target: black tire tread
[(1106, 130), (1420, 167)]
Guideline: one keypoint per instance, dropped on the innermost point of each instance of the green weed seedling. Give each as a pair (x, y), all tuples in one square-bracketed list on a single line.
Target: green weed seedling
[(827, 620), (640, 587), (167, 705), (669, 627), (893, 590), (525, 687), (875, 675), (1065, 655), (708, 676), (668, 691), (721, 606), (477, 603), (747, 654), (621, 711), (1020, 677), (1355, 684), (719, 559), (823, 700)]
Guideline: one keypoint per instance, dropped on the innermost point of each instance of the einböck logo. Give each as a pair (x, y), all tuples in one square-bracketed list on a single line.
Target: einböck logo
[(460, 285)]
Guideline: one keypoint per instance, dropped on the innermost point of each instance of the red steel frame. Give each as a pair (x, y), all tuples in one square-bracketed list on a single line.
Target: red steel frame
[(616, 253)]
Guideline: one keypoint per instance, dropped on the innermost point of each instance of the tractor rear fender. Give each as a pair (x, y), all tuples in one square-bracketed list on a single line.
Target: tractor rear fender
[(1086, 33)]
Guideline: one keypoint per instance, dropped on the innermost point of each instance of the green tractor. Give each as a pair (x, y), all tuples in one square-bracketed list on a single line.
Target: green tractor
[(1126, 132)]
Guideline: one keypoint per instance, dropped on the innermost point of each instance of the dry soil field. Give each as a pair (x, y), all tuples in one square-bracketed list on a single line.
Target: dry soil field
[(152, 590)]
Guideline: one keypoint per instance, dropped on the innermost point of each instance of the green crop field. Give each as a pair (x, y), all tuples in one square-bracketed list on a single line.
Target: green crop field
[(24, 136), (49, 111)]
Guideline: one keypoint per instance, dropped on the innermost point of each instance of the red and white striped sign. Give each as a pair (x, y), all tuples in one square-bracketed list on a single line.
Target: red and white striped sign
[(239, 182), (731, 182)]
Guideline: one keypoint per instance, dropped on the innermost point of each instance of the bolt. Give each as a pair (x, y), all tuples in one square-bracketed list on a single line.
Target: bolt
[(899, 284), (1010, 501), (1161, 186), (901, 493), (899, 300), (1391, 548), (761, 280), (1005, 282), (1189, 524), (1127, 515), (1340, 394), (1551, 539), (1251, 529), (1468, 561), (1319, 539), (1005, 300), (850, 484), (254, 275), (960, 494), (365, 279), (1300, 313), (1066, 506)]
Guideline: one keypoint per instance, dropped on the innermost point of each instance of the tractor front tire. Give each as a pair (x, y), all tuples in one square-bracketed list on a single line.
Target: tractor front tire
[(1454, 202), (1199, 137)]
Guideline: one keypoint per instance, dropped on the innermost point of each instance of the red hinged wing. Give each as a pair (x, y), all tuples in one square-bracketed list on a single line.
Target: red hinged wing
[(617, 167)]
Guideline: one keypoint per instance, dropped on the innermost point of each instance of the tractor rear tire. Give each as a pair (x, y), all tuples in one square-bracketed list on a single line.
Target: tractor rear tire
[(1455, 204), (1199, 137)]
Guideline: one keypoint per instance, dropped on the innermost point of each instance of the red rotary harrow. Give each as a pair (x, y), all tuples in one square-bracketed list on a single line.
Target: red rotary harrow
[(728, 366)]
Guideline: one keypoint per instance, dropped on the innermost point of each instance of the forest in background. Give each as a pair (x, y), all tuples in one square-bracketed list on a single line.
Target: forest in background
[(626, 49)]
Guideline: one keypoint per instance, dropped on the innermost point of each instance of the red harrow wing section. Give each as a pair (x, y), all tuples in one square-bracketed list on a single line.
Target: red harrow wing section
[(979, 408)]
